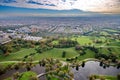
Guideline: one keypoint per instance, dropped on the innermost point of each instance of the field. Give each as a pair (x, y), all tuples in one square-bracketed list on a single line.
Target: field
[(54, 53), (89, 54), (70, 52), (82, 40), (57, 52), (18, 55)]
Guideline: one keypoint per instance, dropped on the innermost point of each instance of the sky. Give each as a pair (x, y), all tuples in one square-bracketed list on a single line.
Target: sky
[(58, 7)]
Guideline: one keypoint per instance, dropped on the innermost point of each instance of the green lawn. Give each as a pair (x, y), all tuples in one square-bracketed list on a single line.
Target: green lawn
[(89, 54), (104, 33), (114, 43), (110, 30), (107, 77), (17, 55), (57, 53), (53, 78), (114, 50), (54, 53), (82, 40), (27, 75), (104, 50), (55, 42)]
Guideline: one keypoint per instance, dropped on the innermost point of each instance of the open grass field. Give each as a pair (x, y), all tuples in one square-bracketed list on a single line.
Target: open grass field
[(27, 75), (116, 43), (82, 40), (104, 33), (54, 53), (89, 54), (70, 52), (17, 55), (110, 30)]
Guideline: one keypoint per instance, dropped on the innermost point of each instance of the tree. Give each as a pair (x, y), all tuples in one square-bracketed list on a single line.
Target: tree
[(30, 58), (16, 75), (61, 74), (91, 77), (40, 63), (33, 78), (77, 67), (118, 77), (118, 64), (64, 54), (104, 66), (39, 50), (102, 78), (6, 49), (2, 70), (16, 66), (78, 47), (28, 67), (101, 63), (83, 63), (82, 52)]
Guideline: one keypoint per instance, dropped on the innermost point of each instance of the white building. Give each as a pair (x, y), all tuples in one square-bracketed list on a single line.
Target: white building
[(32, 38)]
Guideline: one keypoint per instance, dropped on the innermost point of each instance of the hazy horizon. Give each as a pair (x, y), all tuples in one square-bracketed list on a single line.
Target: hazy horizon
[(59, 8)]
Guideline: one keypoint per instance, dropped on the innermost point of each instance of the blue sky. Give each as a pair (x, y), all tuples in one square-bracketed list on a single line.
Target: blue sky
[(6, 9), (18, 11), (59, 7)]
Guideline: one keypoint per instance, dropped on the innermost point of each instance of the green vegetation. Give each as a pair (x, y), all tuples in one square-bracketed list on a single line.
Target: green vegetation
[(56, 53), (104, 33), (55, 42), (110, 30), (56, 70), (82, 40), (89, 54), (48, 49), (16, 45), (17, 55), (102, 77), (29, 75)]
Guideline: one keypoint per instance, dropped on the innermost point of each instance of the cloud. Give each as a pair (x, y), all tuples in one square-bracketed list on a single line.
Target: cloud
[(102, 6)]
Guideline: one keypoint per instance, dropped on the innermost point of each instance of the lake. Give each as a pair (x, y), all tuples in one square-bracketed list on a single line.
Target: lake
[(92, 67)]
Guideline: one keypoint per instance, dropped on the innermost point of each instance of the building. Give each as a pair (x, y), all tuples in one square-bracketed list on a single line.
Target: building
[(4, 38), (32, 38)]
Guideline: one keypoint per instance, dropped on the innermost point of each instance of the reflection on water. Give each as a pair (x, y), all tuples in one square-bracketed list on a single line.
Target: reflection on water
[(36, 69), (92, 67)]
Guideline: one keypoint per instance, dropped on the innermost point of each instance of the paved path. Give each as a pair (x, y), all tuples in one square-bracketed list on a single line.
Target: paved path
[(16, 61), (42, 74)]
